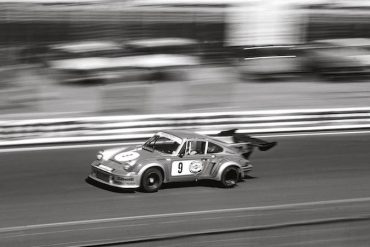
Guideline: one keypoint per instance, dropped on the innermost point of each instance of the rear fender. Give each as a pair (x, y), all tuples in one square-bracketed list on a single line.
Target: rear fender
[(224, 166)]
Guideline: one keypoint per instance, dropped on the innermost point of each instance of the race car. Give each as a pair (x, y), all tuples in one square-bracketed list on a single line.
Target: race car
[(177, 156)]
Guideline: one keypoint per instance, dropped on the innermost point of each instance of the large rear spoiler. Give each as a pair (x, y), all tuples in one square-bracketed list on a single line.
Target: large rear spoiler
[(247, 139)]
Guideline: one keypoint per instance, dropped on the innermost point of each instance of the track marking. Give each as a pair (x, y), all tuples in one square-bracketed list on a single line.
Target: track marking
[(71, 230), (270, 236), (76, 146), (153, 216)]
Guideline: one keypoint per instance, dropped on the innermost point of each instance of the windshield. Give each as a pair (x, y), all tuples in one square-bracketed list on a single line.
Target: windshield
[(161, 144)]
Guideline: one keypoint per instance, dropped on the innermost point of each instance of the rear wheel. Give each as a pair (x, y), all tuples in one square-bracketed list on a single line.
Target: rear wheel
[(230, 176), (151, 180)]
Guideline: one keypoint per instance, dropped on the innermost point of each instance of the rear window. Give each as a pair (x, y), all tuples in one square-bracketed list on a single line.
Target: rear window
[(214, 148)]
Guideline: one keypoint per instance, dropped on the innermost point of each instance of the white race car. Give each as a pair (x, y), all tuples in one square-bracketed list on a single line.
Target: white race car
[(177, 156)]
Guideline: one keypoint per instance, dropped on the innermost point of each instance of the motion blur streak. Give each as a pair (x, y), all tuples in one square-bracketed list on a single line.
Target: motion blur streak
[(74, 146), (332, 170)]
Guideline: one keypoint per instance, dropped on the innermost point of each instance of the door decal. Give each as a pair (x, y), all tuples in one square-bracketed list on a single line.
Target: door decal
[(186, 167)]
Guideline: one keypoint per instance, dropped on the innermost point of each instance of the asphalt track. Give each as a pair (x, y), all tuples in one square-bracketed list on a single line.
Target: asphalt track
[(308, 191)]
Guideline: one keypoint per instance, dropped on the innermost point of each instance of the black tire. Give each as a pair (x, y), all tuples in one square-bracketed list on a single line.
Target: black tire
[(151, 180), (230, 176)]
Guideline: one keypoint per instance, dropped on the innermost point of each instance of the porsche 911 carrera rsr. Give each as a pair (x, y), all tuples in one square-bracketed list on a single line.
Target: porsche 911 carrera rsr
[(177, 156)]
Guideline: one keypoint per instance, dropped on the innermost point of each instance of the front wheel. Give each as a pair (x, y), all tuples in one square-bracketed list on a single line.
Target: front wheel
[(230, 176), (152, 180)]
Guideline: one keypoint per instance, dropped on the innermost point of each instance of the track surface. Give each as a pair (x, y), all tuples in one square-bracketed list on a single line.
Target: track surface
[(42, 187)]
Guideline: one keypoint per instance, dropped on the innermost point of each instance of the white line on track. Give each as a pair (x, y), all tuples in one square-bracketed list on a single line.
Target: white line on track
[(76, 146), (153, 216), (70, 230)]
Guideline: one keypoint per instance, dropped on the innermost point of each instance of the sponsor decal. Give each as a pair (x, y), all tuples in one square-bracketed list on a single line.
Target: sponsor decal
[(186, 167), (196, 166), (125, 179), (126, 156), (105, 168)]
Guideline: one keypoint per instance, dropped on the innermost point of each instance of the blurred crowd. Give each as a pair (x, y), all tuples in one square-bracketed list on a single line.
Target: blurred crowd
[(66, 43)]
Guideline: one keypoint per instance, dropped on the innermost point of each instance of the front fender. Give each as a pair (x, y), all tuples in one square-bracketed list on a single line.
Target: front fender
[(157, 165)]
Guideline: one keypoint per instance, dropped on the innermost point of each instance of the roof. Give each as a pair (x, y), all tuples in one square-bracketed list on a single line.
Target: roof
[(143, 61), (185, 134), (51, 1), (161, 42), (87, 46), (184, 2)]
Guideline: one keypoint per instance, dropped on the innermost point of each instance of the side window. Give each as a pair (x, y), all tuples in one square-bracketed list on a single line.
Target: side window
[(213, 148), (196, 147)]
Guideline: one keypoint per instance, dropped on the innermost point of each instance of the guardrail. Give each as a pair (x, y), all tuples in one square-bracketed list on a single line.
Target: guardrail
[(125, 128)]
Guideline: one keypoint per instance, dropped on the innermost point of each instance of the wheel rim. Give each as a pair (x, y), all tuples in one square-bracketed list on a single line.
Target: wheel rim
[(153, 180), (231, 178)]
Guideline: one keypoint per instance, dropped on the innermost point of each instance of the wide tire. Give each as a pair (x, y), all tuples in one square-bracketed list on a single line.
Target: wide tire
[(151, 180), (230, 176)]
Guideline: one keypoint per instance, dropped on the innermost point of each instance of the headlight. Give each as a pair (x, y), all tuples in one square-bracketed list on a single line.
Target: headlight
[(99, 156), (129, 165)]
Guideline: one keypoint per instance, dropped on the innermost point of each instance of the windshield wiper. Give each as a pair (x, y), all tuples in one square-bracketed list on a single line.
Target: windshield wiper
[(146, 144), (147, 148)]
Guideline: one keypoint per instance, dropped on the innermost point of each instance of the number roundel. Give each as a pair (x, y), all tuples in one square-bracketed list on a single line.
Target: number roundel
[(126, 156)]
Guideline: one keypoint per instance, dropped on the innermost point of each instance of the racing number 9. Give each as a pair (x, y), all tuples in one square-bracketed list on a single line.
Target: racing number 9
[(180, 167)]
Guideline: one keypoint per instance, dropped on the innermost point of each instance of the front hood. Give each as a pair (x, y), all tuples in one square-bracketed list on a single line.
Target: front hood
[(130, 155)]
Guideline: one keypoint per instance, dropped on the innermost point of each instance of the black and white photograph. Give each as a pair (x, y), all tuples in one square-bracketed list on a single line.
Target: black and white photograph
[(185, 123)]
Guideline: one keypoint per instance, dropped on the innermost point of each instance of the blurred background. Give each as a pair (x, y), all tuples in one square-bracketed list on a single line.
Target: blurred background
[(109, 57), (81, 58)]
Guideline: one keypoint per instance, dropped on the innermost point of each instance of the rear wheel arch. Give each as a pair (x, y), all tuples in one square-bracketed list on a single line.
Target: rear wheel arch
[(225, 165), (230, 176)]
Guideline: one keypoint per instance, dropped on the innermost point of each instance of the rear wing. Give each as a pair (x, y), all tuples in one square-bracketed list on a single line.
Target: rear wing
[(240, 139)]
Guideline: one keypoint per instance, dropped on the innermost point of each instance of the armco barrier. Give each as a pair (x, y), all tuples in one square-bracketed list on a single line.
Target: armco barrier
[(125, 128)]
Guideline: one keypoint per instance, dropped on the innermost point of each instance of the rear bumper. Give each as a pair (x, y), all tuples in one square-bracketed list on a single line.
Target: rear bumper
[(246, 169)]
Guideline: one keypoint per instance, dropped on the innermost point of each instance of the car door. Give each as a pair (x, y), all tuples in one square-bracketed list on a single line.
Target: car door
[(191, 161)]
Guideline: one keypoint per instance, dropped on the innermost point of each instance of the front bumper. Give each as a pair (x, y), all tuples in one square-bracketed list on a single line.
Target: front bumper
[(129, 181)]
